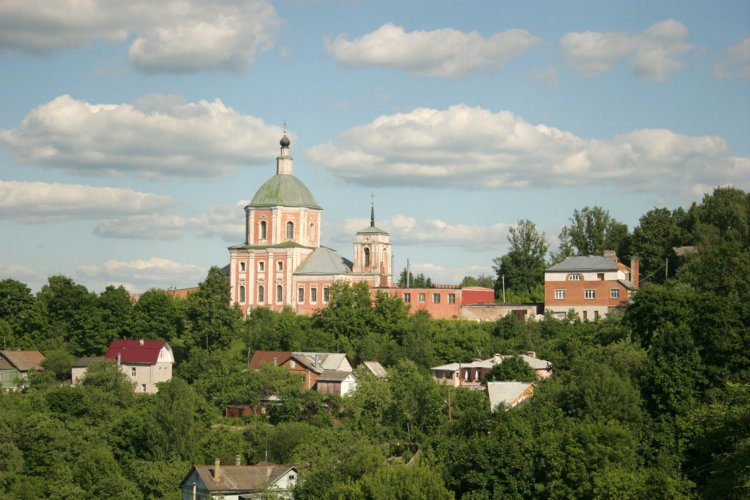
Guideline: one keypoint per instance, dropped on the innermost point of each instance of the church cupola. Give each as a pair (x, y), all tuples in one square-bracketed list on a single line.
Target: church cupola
[(284, 160)]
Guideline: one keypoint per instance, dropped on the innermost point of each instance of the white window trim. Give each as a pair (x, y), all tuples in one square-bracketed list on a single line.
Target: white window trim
[(559, 293), (614, 293), (589, 294)]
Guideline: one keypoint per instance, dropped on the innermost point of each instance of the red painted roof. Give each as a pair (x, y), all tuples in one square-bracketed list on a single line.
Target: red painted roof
[(261, 358), (135, 351)]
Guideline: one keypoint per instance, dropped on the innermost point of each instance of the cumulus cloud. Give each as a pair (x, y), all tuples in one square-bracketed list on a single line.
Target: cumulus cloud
[(654, 54), (406, 230), (225, 221), (157, 136), (474, 148), (734, 61), (442, 52), (44, 201), (447, 275), (169, 35), (154, 272), (20, 273)]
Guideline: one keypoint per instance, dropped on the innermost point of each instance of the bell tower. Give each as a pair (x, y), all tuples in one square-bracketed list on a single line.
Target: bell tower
[(372, 252)]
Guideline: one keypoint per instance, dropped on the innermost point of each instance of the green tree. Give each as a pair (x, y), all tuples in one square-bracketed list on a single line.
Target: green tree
[(483, 280), (523, 266), (117, 312), (213, 324), (512, 368), (157, 315), (592, 231), (418, 281), (653, 239)]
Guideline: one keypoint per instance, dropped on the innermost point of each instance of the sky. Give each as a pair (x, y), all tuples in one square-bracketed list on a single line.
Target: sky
[(133, 133)]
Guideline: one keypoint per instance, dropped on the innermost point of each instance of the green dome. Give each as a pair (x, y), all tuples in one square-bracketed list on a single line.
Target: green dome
[(286, 191)]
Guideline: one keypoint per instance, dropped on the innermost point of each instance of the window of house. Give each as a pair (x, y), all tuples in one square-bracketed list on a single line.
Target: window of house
[(290, 230), (407, 297), (261, 294), (420, 297), (596, 315), (559, 293), (574, 277), (585, 315), (279, 293), (242, 267), (313, 295), (326, 294), (589, 293), (367, 257), (600, 276), (614, 293), (451, 298), (143, 387), (476, 375), (242, 294), (263, 230), (261, 266), (132, 372), (436, 298), (280, 265), (312, 232), (300, 295)]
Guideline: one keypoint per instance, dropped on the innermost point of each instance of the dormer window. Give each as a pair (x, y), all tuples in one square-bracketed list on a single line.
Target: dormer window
[(574, 277)]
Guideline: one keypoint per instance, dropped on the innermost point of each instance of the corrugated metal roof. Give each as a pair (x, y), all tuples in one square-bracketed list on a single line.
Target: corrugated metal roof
[(324, 261), (24, 361), (241, 478), (594, 263), (376, 369), (135, 351), (507, 393)]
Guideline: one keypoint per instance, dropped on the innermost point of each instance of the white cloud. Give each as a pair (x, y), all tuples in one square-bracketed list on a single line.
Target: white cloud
[(20, 273), (442, 52), (170, 35), (44, 201), (141, 274), (546, 77), (226, 222), (734, 61), (654, 54), (406, 230), (474, 148), (158, 136)]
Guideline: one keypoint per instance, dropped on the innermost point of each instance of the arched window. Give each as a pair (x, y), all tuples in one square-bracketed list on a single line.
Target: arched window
[(311, 236), (263, 230), (290, 230), (279, 293), (261, 294), (367, 257), (242, 294)]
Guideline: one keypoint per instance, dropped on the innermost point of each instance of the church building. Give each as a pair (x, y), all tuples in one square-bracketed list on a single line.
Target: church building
[(282, 262)]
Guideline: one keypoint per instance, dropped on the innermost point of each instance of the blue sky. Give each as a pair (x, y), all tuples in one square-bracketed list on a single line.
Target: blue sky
[(131, 133)]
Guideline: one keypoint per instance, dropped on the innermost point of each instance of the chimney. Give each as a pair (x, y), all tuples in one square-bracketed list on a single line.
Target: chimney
[(531, 354), (217, 470), (635, 265), (275, 361), (119, 358), (611, 254), (496, 358), (140, 342), (238, 460)]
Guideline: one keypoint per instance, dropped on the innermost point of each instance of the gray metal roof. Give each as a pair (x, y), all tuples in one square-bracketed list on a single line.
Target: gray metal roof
[(372, 230), (593, 263), (284, 190), (324, 261)]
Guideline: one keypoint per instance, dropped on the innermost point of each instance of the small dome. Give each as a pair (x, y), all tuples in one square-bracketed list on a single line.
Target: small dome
[(285, 142)]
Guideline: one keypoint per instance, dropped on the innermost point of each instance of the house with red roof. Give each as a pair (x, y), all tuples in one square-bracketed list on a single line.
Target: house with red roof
[(145, 362)]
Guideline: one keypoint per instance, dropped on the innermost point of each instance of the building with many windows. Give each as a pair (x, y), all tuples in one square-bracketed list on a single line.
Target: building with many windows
[(282, 263), (592, 286)]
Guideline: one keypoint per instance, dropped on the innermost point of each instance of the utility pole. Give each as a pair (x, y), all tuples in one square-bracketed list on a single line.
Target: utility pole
[(408, 272), (503, 289)]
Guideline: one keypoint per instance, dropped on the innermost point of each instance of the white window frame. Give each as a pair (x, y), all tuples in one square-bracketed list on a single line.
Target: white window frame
[(614, 293), (261, 266), (407, 298), (313, 295), (421, 298), (559, 293), (589, 294), (436, 298), (451, 298), (301, 295), (326, 294), (574, 277)]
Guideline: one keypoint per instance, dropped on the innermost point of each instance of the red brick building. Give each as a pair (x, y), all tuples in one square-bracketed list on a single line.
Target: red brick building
[(592, 286)]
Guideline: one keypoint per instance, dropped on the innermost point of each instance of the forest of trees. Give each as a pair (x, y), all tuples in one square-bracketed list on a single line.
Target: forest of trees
[(653, 403)]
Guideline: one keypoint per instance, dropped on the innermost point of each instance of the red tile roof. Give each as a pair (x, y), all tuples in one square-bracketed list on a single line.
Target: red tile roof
[(135, 351), (261, 358)]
